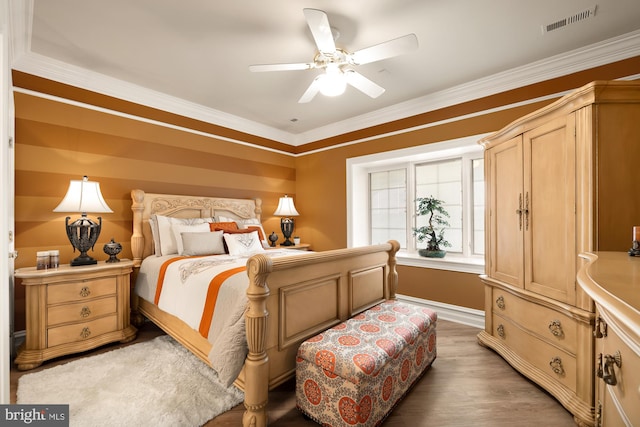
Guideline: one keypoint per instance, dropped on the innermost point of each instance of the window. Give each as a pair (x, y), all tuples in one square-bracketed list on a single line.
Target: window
[(382, 190)]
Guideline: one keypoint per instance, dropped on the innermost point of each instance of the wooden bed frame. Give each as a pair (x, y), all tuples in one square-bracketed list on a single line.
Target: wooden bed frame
[(283, 293)]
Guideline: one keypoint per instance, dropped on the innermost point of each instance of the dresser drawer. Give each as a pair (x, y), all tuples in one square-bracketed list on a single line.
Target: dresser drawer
[(550, 325), (81, 311), (81, 331), (548, 359), (76, 291), (626, 391)]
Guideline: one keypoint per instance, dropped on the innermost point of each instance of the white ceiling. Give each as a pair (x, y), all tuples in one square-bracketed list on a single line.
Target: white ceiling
[(192, 57)]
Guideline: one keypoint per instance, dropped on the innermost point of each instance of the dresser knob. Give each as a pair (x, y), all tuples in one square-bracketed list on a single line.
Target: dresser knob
[(85, 332), (555, 327), (500, 330), (85, 291), (500, 302), (85, 312)]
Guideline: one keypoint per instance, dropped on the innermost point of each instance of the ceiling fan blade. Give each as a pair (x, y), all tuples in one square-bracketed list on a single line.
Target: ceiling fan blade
[(279, 67), (311, 91), (363, 84), (388, 49), (320, 29)]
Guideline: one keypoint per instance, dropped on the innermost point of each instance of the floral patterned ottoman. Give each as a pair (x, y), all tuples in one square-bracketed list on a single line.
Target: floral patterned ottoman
[(356, 372)]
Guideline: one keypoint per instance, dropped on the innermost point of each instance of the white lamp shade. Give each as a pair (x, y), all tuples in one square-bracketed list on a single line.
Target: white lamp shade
[(286, 207), (83, 196)]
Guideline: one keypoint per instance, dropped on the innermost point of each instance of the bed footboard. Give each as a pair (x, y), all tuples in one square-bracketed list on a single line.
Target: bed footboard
[(294, 298)]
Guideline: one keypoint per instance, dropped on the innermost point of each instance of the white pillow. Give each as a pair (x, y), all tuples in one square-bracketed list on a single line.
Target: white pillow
[(243, 243), (167, 244), (178, 229), (246, 223), (202, 243)]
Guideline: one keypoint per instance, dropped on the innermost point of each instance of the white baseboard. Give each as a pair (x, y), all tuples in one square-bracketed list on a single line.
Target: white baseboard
[(450, 312)]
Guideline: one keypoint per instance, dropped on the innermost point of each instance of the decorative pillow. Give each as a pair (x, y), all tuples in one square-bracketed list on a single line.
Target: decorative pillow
[(224, 225), (243, 243), (202, 243), (179, 229), (166, 243), (155, 234), (247, 223)]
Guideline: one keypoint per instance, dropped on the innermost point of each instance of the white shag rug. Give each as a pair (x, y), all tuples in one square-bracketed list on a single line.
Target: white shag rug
[(154, 383)]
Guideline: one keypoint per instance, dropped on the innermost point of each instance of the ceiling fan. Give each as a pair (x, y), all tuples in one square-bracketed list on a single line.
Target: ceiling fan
[(338, 63)]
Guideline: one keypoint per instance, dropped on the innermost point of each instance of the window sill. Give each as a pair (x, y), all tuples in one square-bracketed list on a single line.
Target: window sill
[(450, 262)]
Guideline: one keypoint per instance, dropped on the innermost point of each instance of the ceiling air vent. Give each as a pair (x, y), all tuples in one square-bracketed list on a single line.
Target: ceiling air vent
[(580, 16)]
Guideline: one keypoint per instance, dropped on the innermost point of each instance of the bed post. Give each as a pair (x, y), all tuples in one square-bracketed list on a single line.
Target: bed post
[(137, 238), (257, 363), (393, 273)]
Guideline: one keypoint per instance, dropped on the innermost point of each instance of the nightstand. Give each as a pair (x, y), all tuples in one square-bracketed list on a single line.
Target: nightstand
[(74, 309)]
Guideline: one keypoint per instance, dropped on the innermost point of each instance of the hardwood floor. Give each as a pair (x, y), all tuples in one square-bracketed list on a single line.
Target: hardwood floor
[(468, 385)]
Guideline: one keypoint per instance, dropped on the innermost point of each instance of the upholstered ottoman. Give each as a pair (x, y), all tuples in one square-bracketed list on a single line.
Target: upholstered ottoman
[(356, 372)]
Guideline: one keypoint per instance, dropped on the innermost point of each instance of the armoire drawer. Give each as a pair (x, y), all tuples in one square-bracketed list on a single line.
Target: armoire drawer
[(549, 324), (547, 358)]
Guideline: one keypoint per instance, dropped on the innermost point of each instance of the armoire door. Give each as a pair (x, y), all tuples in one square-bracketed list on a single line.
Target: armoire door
[(550, 193), (506, 221)]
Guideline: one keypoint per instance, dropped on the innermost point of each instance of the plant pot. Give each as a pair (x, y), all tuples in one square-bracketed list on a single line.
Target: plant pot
[(432, 254)]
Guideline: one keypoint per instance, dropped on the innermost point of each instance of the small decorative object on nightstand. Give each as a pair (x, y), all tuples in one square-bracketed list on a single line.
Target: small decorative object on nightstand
[(74, 309), (273, 238), (112, 249)]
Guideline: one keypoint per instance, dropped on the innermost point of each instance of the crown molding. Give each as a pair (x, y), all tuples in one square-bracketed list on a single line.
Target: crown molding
[(602, 53), (22, 59)]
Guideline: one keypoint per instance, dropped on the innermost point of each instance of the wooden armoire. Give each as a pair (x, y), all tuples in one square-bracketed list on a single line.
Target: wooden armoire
[(559, 181)]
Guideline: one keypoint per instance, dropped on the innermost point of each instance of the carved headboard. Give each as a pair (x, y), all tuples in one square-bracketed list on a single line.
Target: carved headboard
[(146, 204)]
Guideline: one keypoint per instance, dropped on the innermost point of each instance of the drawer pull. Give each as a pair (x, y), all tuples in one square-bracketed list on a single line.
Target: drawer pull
[(609, 375), (85, 312), (500, 330), (556, 366), (500, 302), (85, 332), (600, 331), (555, 327), (85, 291)]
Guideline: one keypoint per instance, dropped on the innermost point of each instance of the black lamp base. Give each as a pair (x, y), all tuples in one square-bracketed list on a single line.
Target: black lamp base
[(286, 225), (287, 242), (83, 260)]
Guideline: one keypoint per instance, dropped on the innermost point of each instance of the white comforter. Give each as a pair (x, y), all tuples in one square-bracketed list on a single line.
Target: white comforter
[(184, 294)]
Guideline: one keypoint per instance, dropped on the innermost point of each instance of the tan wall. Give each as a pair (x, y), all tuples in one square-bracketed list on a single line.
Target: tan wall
[(56, 142)]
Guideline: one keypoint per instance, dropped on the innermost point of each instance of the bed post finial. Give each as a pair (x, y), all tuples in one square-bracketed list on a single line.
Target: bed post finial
[(257, 363), (393, 274), (137, 238)]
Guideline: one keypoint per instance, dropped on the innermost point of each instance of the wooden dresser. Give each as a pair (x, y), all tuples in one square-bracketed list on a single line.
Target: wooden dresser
[(73, 309), (612, 279), (558, 183)]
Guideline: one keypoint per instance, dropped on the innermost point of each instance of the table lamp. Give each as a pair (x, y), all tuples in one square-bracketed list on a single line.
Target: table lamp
[(286, 209), (83, 196)]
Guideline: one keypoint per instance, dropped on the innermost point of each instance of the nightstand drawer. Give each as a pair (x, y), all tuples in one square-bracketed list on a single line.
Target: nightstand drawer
[(81, 331), (550, 325), (81, 311), (75, 291), (546, 358)]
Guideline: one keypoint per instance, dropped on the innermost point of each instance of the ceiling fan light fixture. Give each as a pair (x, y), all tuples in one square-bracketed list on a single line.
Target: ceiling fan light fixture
[(333, 82)]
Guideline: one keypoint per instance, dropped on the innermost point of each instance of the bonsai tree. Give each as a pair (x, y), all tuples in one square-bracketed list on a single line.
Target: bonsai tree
[(433, 232)]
